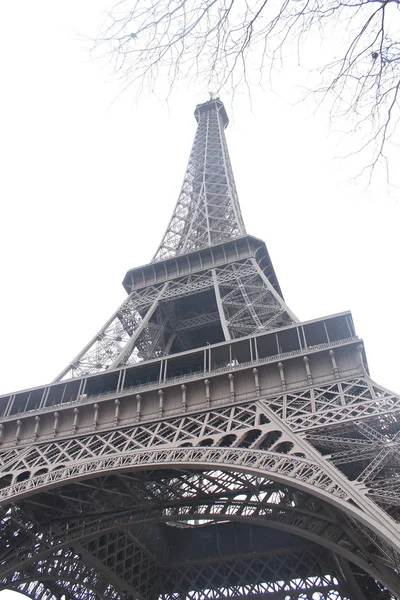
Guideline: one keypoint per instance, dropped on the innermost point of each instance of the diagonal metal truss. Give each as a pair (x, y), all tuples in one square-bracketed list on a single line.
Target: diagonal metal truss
[(66, 575), (82, 493), (275, 576), (234, 300)]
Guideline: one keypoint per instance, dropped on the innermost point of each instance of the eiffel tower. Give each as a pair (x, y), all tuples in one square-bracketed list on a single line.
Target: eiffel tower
[(205, 444)]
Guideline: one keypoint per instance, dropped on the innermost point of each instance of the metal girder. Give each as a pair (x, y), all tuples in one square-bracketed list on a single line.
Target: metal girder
[(243, 302), (193, 497)]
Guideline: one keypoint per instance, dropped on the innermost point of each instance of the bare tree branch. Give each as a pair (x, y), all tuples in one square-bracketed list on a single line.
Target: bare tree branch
[(226, 44)]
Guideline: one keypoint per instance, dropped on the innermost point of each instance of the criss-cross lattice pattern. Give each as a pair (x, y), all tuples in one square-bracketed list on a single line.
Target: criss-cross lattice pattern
[(124, 521), (353, 421), (156, 318), (268, 576), (65, 575), (146, 507), (207, 211), (296, 576)]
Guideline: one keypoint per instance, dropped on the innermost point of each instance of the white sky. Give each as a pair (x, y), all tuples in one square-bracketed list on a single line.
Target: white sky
[(87, 188)]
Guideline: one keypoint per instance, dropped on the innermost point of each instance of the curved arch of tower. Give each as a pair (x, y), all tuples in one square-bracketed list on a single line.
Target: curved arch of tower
[(205, 444)]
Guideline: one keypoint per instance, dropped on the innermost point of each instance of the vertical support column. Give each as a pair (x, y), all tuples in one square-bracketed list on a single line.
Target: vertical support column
[(84, 382), (165, 369), (161, 403), (184, 402), (18, 432), (310, 380), (282, 376), (299, 338), (284, 407), (312, 400), (334, 364), (304, 336), (122, 380), (96, 416), (56, 421), (308, 370), (160, 378), (207, 386), (231, 386), (37, 425), (138, 407), (119, 380), (76, 419), (256, 381), (116, 413), (81, 383)]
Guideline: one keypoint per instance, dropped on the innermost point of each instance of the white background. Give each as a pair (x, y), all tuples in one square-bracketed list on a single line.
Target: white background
[(89, 180)]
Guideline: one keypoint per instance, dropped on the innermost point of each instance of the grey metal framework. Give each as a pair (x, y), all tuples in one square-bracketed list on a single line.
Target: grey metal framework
[(206, 444), (208, 210)]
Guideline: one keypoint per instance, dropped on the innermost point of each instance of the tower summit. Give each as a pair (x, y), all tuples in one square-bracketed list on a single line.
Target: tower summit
[(205, 444)]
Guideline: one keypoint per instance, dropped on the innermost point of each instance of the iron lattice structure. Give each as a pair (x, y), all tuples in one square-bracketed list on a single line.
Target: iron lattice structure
[(208, 210), (205, 444)]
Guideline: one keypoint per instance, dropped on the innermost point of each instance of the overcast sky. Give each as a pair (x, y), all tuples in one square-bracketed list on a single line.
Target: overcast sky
[(89, 181)]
